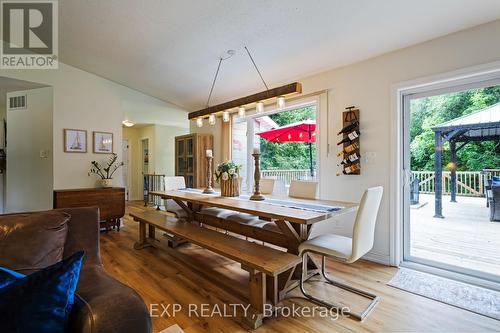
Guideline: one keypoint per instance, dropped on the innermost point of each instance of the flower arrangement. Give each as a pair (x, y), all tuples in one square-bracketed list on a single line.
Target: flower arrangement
[(227, 170), (227, 174), (105, 172)]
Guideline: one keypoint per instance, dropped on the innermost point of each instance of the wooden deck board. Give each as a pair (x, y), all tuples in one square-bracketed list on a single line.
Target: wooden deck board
[(465, 237)]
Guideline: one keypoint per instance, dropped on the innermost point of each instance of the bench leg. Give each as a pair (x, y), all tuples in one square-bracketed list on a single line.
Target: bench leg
[(142, 243), (257, 298)]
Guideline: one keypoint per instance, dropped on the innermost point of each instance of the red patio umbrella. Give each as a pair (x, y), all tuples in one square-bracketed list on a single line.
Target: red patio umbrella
[(302, 131)]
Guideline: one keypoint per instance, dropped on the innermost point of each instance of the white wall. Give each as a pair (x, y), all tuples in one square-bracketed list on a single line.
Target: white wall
[(29, 176), (367, 85), (89, 102)]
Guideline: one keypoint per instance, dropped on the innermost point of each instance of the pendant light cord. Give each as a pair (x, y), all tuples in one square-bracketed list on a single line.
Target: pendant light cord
[(218, 69), (256, 68), (213, 83)]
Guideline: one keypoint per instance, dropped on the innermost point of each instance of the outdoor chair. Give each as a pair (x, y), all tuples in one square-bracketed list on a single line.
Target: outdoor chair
[(494, 203)]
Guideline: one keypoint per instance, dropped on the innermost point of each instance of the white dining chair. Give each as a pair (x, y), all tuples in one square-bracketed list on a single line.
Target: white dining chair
[(305, 189), (174, 183), (346, 249), (266, 186)]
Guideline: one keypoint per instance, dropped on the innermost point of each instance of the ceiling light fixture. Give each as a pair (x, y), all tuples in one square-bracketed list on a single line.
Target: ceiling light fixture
[(259, 107), (211, 119), (128, 123), (199, 122), (241, 111), (237, 105), (280, 102)]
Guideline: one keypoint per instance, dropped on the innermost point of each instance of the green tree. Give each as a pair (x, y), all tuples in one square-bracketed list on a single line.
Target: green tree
[(288, 155), (430, 111)]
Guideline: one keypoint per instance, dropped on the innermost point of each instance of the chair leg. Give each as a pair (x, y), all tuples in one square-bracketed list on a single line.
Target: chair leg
[(359, 316)]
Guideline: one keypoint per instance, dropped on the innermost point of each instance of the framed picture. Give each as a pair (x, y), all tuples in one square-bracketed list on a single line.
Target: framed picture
[(75, 141), (103, 143)]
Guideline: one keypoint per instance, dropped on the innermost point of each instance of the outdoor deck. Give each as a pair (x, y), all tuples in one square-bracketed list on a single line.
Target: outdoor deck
[(465, 237)]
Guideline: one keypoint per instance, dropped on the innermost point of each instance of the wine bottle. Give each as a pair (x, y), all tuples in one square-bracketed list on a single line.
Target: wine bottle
[(349, 127), (351, 169), (349, 149), (350, 137), (350, 159)]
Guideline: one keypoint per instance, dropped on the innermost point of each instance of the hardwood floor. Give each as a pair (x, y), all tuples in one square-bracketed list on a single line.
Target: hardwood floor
[(162, 279)]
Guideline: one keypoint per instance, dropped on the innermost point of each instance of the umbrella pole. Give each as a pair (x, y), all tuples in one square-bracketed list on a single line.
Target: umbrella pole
[(311, 159)]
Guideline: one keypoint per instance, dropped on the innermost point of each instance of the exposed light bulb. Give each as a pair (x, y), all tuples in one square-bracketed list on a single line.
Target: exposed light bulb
[(280, 102), (225, 116), (241, 111), (127, 123), (259, 107), (199, 122), (211, 119)]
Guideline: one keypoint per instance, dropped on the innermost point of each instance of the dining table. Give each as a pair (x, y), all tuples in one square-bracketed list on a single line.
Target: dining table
[(295, 218)]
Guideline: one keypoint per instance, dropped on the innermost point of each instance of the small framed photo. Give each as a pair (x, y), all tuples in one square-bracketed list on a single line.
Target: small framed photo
[(75, 141), (103, 143)]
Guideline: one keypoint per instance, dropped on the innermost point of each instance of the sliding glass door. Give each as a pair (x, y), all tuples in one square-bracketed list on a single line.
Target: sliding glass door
[(451, 155)]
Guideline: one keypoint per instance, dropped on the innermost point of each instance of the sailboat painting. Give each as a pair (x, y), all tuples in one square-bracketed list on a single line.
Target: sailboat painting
[(75, 141), (103, 143)]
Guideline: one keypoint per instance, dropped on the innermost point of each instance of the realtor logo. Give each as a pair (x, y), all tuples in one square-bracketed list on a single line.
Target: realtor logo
[(29, 34)]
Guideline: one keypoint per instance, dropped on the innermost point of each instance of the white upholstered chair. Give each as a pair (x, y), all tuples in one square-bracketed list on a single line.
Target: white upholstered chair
[(346, 249), (174, 183), (266, 186), (305, 189)]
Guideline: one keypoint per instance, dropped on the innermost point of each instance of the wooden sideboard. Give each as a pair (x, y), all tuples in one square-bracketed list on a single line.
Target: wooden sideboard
[(111, 202)]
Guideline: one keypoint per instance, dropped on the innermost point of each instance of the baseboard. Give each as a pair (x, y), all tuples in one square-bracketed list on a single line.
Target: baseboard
[(379, 258)]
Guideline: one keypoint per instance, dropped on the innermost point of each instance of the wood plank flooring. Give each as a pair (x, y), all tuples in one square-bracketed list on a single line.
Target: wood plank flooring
[(162, 279)]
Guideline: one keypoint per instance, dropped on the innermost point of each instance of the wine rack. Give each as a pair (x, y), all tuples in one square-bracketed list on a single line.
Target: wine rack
[(349, 145)]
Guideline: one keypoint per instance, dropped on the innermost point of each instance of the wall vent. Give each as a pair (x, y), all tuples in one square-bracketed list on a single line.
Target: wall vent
[(18, 102)]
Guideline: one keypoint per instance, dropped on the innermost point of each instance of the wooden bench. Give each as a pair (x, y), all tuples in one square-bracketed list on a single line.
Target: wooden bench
[(260, 261)]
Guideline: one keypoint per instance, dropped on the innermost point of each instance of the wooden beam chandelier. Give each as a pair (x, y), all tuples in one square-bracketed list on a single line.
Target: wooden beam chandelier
[(240, 105)]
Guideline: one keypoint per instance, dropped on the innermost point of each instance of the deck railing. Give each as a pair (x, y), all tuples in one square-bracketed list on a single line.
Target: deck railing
[(469, 183), (286, 176)]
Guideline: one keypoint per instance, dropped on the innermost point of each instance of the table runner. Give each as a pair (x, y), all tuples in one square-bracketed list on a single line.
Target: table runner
[(277, 202)]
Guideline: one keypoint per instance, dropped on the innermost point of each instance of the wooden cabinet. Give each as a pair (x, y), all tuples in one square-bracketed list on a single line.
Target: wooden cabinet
[(111, 202), (190, 161)]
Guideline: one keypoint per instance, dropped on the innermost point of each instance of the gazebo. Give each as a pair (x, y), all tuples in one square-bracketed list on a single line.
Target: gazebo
[(481, 125)]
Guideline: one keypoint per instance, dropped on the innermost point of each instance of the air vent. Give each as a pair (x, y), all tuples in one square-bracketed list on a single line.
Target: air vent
[(18, 102)]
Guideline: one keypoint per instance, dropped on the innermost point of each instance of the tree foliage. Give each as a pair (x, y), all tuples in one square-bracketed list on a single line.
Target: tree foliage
[(430, 111), (288, 155)]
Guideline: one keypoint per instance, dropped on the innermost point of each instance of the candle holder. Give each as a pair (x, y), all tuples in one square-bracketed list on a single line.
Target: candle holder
[(209, 189), (256, 176)]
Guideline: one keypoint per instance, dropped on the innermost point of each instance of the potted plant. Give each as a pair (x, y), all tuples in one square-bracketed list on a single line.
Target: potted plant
[(106, 172), (228, 174)]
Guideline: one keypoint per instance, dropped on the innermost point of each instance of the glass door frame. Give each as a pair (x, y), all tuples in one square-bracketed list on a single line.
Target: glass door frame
[(456, 272)]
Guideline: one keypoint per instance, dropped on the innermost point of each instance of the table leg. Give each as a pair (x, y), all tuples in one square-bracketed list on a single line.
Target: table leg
[(142, 243)]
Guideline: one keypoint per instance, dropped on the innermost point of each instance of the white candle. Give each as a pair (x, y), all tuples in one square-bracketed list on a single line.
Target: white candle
[(256, 150), (209, 153)]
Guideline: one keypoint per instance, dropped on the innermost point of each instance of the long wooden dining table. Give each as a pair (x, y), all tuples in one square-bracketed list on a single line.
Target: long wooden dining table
[(294, 218)]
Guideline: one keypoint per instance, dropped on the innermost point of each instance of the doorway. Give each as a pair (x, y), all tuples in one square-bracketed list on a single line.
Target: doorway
[(451, 153)]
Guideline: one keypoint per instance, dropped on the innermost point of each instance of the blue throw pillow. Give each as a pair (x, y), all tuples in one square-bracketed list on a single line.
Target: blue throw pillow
[(8, 276), (41, 302), (495, 181)]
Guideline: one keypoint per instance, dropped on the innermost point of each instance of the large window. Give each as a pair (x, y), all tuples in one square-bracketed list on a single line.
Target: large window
[(290, 156)]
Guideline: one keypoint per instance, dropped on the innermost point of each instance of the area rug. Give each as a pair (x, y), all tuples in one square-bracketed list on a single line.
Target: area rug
[(173, 329), (479, 300)]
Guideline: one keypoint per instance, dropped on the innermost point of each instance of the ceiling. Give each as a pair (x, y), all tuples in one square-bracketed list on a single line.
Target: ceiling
[(170, 48)]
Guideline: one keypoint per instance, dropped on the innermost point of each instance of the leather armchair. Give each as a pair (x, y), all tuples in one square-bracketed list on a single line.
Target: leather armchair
[(103, 305)]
